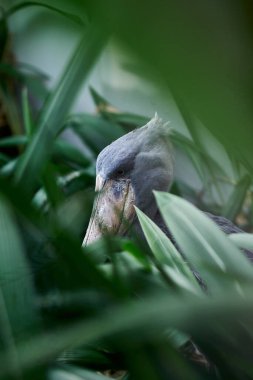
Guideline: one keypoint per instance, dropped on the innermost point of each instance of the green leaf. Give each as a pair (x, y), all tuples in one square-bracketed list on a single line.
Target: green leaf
[(95, 131), (49, 179), (54, 112), (17, 292), (18, 315), (203, 243), (234, 204), (187, 56), (82, 267), (28, 76), (26, 113), (25, 4), (13, 141), (3, 34), (8, 70), (65, 150), (9, 168), (111, 113), (70, 372), (201, 315), (87, 356), (137, 253), (40, 199), (68, 185), (99, 100), (77, 180), (3, 158), (166, 254), (10, 106), (128, 118), (242, 240), (200, 158)]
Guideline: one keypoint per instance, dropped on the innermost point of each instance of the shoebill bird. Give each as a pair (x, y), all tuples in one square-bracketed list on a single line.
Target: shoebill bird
[(127, 172)]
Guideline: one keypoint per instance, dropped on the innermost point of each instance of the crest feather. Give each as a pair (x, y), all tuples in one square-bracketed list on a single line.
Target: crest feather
[(157, 126)]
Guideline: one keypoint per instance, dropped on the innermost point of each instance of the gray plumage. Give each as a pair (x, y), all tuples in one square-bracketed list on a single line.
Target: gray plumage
[(145, 157)]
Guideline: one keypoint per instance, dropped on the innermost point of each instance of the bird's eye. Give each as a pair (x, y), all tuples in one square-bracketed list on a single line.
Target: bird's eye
[(120, 172)]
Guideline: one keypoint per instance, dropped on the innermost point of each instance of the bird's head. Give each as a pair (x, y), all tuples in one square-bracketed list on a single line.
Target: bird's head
[(127, 172)]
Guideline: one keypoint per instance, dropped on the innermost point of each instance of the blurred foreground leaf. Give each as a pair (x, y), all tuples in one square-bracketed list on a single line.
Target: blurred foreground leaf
[(166, 255), (243, 240), (75, 373), (26, 4), (191, 49), (18, 316), (16, 281), (234, 204), (206, 247), (147, 318)]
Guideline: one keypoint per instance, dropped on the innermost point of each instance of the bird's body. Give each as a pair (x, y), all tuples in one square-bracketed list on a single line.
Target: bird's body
[(128, 171)]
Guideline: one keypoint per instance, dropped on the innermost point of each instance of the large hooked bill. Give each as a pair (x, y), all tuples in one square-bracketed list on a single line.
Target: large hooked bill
[(113, 209)]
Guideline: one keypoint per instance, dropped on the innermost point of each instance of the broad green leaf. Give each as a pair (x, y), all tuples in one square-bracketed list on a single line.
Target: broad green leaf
[(18, 199), (17, 297), (188, 58), (166, 254), (201, 315), (243, 240), (81, 269), (234, 204), (163, 249), (54, 112), (205, 246)]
